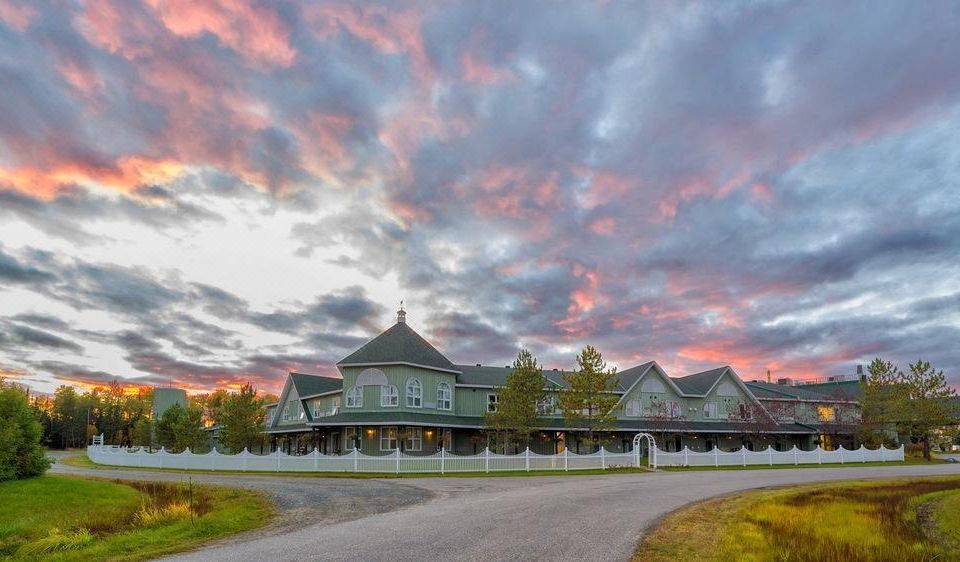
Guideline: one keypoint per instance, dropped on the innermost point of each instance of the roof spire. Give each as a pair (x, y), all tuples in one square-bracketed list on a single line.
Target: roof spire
[(401, 315)]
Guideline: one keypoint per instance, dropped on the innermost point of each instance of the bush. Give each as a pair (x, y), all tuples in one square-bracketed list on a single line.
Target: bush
[(21, 455)]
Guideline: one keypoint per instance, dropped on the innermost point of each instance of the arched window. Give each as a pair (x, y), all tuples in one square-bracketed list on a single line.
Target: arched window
[(444, 397), (414, 393), (389, 395), (355, 397)]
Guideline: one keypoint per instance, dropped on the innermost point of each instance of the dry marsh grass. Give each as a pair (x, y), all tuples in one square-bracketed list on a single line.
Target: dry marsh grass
[(864, 521)]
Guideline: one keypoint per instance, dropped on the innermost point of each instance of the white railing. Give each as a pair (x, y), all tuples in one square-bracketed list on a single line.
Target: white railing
[(770, 457), (441, 462), (444, 462)]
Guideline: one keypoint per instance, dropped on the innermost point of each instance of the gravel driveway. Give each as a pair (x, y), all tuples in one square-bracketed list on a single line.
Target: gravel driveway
[(504, 518)]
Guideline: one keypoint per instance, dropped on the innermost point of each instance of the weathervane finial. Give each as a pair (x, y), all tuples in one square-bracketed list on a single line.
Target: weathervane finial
[(401, 315)]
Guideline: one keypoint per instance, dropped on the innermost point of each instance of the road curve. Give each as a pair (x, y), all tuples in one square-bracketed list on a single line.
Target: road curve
[(508, 518)]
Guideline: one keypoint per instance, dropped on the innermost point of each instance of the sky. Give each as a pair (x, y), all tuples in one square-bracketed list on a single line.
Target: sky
[(211, 192)]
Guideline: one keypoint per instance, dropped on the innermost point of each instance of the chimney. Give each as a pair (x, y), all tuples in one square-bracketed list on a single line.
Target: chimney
[(401, 315)]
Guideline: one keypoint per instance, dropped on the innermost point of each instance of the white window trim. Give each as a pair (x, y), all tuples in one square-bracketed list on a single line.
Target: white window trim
[(414, 393), (385, 398), (385, 434), (349, 435), (449, 397), (356, 393), (415, 436), (495, 402), (710, 413)]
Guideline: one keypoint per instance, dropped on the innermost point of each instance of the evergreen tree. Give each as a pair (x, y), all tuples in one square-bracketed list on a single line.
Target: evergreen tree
[(240, 416), (165, 427), (142, 432), (188, 429), (878, 407), (589, 399), (516, 416), (924, 407), (21, 455)]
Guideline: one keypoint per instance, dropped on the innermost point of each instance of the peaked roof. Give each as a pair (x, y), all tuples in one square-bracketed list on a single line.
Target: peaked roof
[(769, 390), (311, 385), (399, 344), (629, 377), (699, 383), (848, 389)]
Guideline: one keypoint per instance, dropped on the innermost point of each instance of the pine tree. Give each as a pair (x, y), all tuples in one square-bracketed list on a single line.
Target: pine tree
[(240, 417), (589, 399), (516, 417), (924, 406)]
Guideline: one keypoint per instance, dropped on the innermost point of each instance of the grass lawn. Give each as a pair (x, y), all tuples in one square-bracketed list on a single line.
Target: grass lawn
[(66, 518), (85, 462), (865, 520)]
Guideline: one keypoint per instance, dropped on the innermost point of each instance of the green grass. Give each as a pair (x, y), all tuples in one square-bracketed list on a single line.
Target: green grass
[(66, 518), (85, 462), (867, 520)]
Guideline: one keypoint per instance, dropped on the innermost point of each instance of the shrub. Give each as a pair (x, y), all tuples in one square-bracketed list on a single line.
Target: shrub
[(21, 455), (56, 542)]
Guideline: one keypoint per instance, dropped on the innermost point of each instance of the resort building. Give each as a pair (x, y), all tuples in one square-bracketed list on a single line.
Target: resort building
[(400, 392)]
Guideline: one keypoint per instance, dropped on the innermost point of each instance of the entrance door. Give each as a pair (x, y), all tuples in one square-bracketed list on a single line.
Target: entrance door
[(333, 444)]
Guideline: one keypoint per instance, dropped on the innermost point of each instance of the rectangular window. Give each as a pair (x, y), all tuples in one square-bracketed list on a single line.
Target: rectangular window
[(547, 406), (388, 438), (414, 439), (389, 396), (710, 410), (350, 438), (827, 413), (493, 402), (317, 411)]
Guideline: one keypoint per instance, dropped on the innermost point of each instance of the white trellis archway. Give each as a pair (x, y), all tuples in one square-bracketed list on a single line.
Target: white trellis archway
[(651, 447)]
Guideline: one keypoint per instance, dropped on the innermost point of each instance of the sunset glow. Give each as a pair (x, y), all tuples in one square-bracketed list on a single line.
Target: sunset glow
[(211, 192)]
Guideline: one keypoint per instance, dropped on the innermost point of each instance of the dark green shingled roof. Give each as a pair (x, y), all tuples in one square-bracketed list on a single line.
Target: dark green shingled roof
[(311, 385), (844, 390), (399, 344), (699, 383), (769, 390), (629, 377)]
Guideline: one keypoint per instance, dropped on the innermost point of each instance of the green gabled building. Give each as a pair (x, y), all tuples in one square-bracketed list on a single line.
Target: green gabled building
[(399, 392)]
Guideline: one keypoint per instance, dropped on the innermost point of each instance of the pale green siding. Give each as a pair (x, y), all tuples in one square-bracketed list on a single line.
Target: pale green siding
[(398, 375)]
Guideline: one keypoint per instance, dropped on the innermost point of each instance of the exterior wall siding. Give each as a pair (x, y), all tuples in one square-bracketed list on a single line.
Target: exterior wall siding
[(397, 375)]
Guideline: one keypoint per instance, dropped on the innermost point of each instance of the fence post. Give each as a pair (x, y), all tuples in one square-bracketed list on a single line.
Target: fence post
[(356, 460), (743, 451), (770, 454), (881, 452), (316, 459), (278, 459), (819, 455), (566, 466), (486, 459), (442, 457), (245, 453), (686, 456), (841, 454), (716, 456), (603, 458), (160, 456), (526, 459), (398, 460), (794, 455)]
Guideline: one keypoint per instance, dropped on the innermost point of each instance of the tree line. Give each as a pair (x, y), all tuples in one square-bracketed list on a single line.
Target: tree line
[(70, 418)]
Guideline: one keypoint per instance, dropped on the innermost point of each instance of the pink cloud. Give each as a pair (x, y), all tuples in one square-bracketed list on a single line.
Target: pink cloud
[(254, 31), (17, 16)]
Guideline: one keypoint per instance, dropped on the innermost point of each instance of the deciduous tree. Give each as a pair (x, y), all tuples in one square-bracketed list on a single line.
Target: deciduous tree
[(21, 455)]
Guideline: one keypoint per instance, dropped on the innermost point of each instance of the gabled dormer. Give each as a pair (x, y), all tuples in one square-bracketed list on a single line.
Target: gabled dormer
[(292, 408)]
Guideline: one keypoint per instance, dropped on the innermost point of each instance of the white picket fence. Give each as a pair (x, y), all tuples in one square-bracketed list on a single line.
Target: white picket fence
[(794, 456), (443, 462)]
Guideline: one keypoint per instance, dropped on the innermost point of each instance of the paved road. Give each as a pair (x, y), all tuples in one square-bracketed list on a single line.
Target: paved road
[(509, 518)]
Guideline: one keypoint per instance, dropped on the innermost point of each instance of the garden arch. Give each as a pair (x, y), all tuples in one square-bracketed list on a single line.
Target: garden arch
[(651, 447)]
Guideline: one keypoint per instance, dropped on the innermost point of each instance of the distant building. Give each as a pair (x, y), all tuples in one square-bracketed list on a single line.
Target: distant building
[(164, 398)]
